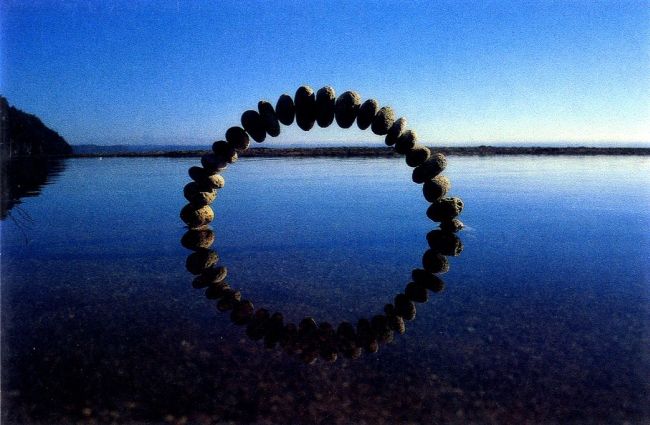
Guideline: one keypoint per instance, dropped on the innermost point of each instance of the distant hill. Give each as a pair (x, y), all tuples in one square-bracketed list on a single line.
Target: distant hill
[(24, 135)]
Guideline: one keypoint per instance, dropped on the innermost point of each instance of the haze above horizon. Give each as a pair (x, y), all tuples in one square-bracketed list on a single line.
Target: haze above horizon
[(462, 73)]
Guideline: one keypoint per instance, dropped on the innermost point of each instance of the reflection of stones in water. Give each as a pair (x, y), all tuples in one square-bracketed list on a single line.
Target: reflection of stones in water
[(310, 340), (22, 178), (195, 239)]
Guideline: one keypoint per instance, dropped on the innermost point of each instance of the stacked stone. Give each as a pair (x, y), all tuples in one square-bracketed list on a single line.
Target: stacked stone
[(310, 340), (323, 107)]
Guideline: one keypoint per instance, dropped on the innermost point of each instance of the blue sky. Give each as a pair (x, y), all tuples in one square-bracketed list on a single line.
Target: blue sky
[(460, 72)]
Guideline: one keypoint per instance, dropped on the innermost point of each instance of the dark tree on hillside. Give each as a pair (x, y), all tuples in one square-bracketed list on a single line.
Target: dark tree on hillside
[(25, 135)]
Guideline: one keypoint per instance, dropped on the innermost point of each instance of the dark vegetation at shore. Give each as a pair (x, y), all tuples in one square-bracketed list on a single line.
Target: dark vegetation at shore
[(24, 135), (381, 152)]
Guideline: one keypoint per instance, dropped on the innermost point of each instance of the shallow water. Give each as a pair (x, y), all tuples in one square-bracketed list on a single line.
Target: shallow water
[(544, 316)]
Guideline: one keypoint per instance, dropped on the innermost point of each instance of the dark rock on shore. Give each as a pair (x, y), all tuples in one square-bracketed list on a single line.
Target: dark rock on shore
[(346, 108)]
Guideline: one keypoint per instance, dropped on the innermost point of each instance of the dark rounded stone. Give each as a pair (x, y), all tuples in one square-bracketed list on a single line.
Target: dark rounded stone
[(396, 323), (289, 338), (253, 124), (389, 309), (238, 138), (345, 333), (309, 357), (225, 151), (305, 102), (275, 330), (307, 329), (347, 108), (383, 121), (196, 239), (229, 300), (198, 261), (446, 243), (444, 209), (367, 112), (431, 168), (242, 312), (418, 155), (210, 276), (329, 354), (269, 118), (395, 131), (434, 262), (365, 335), (196, 216), (453, 225), (381, 329), (213, 164), (325, 104), (217, 290), (258, 324), (353, 352), (205, 178), (406, 142), (327, 342), (416, 292), (404, 307), (428, 280), (197, 195), (372, 346), (435, 188), (285, 109)]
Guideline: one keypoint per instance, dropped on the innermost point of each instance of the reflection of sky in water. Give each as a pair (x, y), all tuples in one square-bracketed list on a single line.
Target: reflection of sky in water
[(542, 316)]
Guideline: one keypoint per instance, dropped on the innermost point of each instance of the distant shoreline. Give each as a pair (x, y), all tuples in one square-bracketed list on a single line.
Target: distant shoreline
[(382, 152)]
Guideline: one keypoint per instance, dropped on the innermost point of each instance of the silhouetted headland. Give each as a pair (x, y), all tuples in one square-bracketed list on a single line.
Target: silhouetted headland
[(375, 152), (24, 135)]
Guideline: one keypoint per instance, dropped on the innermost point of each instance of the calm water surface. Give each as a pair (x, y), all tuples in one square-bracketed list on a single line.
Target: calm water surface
[(544, 317)]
